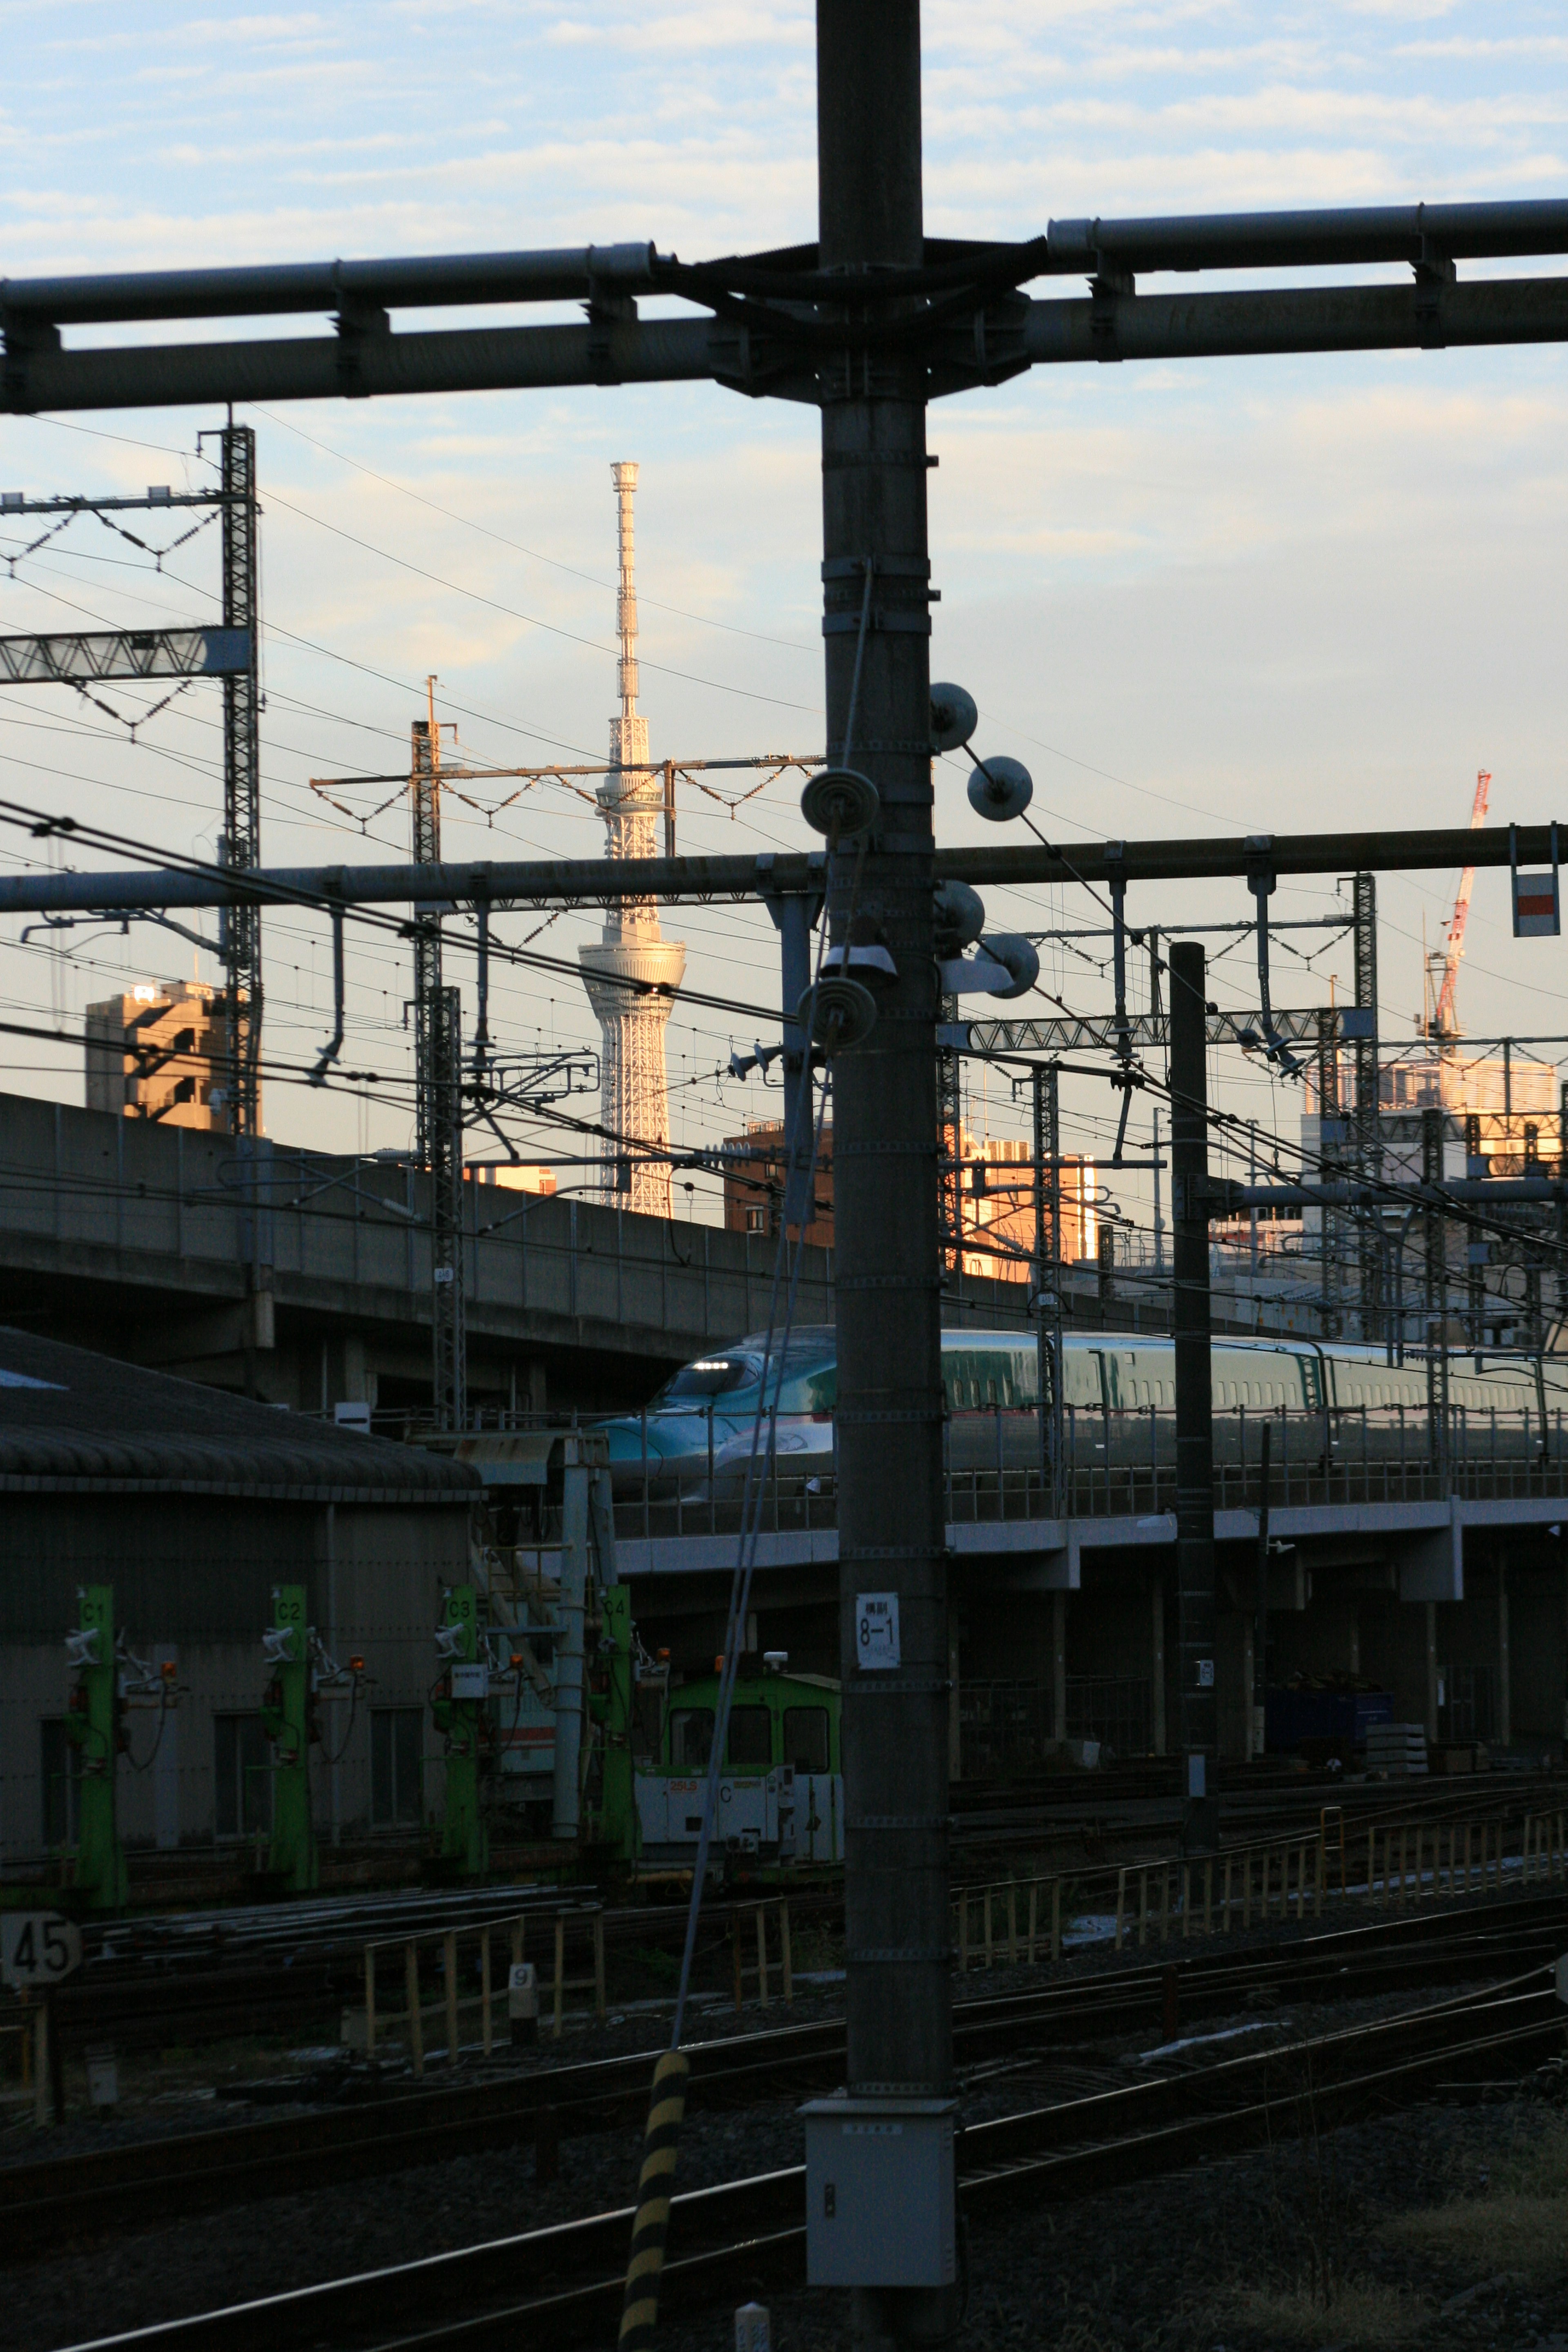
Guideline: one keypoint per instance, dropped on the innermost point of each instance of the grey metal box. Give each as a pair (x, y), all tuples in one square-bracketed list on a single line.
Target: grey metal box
[(880, 2199)]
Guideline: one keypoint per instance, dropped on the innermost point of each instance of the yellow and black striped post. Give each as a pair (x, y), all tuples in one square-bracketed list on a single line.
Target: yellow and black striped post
[(650, 2224)]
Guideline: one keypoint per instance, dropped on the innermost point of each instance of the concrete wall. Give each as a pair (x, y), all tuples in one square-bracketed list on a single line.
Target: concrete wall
[(126, 1236)]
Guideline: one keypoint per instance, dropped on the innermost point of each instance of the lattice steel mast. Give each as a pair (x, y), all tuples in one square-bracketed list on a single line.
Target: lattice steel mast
[(633, 956), (241, 844), (437, 1081)]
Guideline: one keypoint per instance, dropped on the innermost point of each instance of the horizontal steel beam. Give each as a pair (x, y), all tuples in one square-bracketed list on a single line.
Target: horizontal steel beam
[(1225, 1199), (1098, 1033), (1416, 317), (124, 653), (594, 881), (1425, 236), (983, 347), (1326, 237), (422, 283)]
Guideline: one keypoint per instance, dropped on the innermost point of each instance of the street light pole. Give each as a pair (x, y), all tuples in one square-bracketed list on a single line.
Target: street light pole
[(892, 1519)]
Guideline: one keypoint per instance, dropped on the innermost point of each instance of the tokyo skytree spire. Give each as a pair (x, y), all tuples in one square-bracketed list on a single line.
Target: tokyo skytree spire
[(634, 1093)]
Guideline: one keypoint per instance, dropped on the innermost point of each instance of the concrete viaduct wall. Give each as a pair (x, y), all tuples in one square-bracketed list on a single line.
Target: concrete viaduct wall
[(141, 1241)]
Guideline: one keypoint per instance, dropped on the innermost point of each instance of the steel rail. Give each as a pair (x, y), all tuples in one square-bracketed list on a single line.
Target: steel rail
[(590, 881), (1063, 2150), (77, 2196)]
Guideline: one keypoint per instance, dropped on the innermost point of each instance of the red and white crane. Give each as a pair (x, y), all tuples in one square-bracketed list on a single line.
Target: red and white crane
[(1442, 1021)]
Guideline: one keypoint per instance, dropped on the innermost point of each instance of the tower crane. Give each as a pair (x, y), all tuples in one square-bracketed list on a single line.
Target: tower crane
[(1442, 1021)]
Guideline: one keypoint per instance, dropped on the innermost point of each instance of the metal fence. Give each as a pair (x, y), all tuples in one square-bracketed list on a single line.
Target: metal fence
[(1117, 1463)]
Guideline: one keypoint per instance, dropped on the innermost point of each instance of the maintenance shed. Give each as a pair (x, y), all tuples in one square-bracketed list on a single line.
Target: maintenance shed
[(192, 1505)]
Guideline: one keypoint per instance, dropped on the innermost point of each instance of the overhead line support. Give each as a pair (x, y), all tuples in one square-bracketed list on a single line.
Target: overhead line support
[(586, 881)]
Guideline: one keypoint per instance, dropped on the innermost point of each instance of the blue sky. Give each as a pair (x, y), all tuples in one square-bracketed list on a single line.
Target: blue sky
[(1265, 595)]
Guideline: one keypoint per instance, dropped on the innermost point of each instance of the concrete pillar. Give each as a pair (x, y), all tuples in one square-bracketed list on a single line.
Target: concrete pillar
[(1059, 1664), (1431, 1670), (345, 1379), (1252, 1735), (954, 1739), (1157, 1659), (1504, 1693)]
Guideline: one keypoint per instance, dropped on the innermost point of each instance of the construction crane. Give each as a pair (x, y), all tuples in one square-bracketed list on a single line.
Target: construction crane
[(1442, 1021)]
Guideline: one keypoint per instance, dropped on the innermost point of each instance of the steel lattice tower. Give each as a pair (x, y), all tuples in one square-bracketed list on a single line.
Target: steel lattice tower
[(632, 954), (241, 842), (437, 1068)]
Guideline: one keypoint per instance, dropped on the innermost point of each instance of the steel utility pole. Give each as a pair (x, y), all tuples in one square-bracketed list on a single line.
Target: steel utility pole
[(1368, 1139), (1195, 1396), (1331, 1136), (1047, 1174), (437, 1087), (241, 847), (1434, 1300), (892, 1530)]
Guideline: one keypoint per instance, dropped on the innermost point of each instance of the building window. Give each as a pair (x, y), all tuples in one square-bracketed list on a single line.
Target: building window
[(59, 1780), (756, 1220), (396, 1767), (242, 1777)]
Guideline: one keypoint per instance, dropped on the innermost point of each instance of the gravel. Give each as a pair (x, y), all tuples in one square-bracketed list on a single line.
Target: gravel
[(1154, 2268), (1167, 2265)]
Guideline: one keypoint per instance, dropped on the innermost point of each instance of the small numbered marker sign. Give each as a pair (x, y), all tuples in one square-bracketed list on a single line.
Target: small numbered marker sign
[(876, 1631), (37, 1948)]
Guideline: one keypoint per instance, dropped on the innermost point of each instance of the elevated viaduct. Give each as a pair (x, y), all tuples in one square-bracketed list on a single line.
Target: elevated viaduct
[(305, 1277)]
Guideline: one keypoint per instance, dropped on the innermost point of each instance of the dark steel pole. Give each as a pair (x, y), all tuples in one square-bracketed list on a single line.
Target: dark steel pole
[(891, 1531), (1194, 1396), (1260, 1630)]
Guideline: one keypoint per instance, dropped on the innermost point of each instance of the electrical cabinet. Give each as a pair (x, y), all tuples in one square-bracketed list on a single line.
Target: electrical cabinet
[(881, 2202)]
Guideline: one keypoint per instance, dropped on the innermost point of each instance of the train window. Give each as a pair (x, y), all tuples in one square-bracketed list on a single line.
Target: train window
[(690, 1739), (750, 1740), (806, 1737)]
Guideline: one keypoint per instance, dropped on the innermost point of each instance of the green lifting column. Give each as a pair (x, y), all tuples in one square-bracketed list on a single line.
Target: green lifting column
[(460, 1713), (92, 1727), (291, 1858), (618, 1816)]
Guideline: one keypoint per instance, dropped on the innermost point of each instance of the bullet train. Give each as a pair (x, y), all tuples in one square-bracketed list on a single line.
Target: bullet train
[(1118, 1395)]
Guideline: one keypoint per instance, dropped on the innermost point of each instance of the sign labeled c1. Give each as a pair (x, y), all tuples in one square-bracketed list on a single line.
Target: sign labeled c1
[(37, 1948)]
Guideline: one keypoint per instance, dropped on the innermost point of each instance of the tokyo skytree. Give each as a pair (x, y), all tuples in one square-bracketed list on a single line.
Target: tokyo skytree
[(633, 1095)]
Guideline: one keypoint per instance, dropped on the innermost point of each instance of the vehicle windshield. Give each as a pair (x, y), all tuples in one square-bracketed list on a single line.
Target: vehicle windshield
[(734, 1374), (710, 1376)]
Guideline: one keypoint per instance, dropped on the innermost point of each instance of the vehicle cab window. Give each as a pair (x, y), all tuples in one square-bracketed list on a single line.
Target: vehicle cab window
[(805, 1738), (750, 1740), (690, 1739)]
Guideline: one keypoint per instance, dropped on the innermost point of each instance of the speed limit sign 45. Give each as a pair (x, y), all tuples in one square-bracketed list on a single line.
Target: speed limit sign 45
[(37, 1948)]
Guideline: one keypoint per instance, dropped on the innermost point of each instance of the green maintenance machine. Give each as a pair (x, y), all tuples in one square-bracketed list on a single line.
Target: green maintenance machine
[(95, 1731), (461, 1710), (288, 1718)]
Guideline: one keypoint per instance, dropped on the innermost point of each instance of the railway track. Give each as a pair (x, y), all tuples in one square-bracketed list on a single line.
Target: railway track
[(562, 2287), (70, 2200)]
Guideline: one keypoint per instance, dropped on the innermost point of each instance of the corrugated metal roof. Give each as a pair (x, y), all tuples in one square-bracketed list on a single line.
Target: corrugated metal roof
[(72, 1422)]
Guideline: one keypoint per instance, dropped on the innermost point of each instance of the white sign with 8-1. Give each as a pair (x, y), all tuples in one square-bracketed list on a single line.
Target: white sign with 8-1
[(37, 1948)]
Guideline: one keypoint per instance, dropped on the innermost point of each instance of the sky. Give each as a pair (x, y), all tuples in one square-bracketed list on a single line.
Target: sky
[(1222, 597)]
